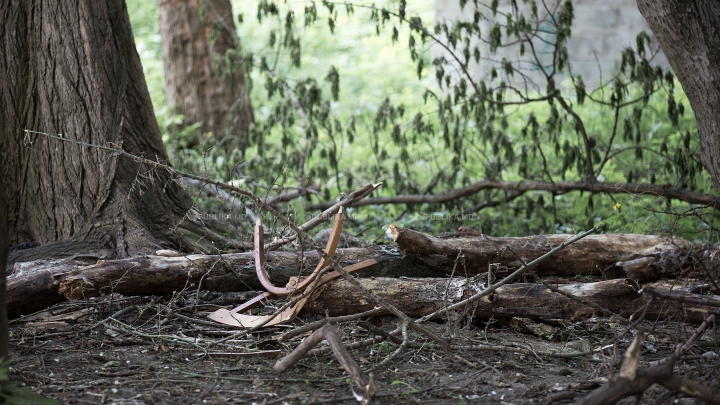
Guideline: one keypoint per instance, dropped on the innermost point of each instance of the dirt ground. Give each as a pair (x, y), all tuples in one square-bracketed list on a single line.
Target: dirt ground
[(152, 350)]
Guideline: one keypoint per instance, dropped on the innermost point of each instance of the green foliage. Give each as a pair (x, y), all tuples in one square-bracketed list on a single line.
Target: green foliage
[(9, 394), (144, 17), (349, 93), (400, 383)]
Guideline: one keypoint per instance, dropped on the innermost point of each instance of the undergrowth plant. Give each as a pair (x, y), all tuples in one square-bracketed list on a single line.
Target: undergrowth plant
[(326, 114), (10, 394)]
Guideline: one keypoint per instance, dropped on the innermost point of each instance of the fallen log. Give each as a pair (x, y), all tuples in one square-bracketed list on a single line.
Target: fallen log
[(36, 285), (637, 257), (39, 284), (419, 297)]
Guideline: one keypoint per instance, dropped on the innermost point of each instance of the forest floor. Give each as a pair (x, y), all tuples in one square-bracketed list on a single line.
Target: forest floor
[(151, 350)]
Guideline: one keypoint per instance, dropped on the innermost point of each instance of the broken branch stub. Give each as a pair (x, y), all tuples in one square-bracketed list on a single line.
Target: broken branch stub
[(237, 319)]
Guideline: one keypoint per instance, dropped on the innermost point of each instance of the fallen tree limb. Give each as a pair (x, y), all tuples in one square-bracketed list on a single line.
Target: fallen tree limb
[(37, 285), (666, 191), (362, 381), (510, 277), (421, 297), (638, 257), (682, 296)]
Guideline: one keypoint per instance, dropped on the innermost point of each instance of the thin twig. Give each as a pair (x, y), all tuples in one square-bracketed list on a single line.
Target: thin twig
[(318, 324)]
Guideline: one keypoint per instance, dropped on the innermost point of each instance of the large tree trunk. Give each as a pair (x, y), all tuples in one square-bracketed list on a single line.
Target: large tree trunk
[(204, 80), (4, 244), (689, 34), (70, 67)]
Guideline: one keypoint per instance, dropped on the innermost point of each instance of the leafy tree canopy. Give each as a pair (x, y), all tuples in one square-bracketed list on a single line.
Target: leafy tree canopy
[(348, 93)]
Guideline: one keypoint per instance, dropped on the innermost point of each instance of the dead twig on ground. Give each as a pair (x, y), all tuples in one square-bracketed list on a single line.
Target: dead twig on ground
[(362, 381), (633, 381), (299, 330), (403, 344)]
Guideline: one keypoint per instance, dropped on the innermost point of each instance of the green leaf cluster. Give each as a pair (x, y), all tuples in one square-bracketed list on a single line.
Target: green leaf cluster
[(352, 92)]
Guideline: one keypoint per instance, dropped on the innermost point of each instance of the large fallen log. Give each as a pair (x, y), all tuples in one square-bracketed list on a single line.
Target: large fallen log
[(419, 297), (39, 284), (637, 257), (36, 285)]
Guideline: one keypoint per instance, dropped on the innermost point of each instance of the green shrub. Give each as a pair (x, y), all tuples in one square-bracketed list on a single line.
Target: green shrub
[(382, 105)]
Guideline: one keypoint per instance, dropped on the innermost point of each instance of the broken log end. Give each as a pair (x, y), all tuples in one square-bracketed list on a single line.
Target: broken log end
[(76, 288)]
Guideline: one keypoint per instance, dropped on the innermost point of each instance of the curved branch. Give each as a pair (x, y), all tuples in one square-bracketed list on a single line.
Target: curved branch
[(581, 128), (670, 192), (612, 138), (260, 257)]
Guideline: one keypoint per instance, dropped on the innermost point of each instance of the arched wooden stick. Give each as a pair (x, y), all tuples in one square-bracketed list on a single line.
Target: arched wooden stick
[(260, 256)]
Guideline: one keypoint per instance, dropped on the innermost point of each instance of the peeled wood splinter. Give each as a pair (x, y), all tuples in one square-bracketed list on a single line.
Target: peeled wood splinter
[(260, 256)]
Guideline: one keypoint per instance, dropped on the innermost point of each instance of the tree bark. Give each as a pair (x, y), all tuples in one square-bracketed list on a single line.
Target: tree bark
[(689, 34), (204, 78), (4, 245), (419, 297), (78, 74), (638, 257), (36, 285)]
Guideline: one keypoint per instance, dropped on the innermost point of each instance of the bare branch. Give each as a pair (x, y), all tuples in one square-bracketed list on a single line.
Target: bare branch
[(665, 191)]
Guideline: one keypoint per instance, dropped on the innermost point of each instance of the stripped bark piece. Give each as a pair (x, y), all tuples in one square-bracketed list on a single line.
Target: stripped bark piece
[(253, 302), (350, 269), (632, 358), (260, 256), (233, 318), (249, 321)]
